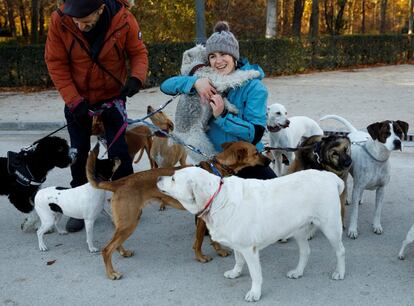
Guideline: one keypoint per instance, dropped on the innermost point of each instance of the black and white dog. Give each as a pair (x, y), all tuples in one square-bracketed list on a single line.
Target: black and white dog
[(21, 174), (83, 202)]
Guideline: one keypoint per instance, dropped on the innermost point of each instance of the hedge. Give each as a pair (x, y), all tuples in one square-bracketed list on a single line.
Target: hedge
[(24, 65)]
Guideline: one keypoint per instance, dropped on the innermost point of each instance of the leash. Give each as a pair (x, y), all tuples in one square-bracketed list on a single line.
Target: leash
[(130, 121)]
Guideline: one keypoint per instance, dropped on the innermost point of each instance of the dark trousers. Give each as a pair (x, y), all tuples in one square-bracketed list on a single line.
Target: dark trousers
[(80, 138)]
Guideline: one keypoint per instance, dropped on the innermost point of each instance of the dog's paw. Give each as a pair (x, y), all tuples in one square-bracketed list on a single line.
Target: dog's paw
[(43, 247), (253, 295), (377, 229), (93, 250), (353, 234), (223, 252), (114, 275), (126, 253), (63, 232), (401, 256), (232, 274), (294, 274), (338, 276), (203, 258)]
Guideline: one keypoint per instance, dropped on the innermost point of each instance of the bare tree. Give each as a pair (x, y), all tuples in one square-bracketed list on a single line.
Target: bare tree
[(298, 7), (271, 18), (314, 20), (285, 17), (334, 18), (383, 21)]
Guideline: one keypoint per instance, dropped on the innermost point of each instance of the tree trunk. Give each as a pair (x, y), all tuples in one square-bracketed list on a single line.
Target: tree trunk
[(339, 20), (22, 15), (10, 17), (42, 18), (410, 18), (271, 19), (314, 20), (383, 22), (285, 18), (329, 16), (298, 7), (35, 19), (351, 17), (363, 26)]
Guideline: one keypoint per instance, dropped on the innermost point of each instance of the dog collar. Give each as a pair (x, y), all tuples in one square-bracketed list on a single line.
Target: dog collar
[(18, 167), (208, 204)]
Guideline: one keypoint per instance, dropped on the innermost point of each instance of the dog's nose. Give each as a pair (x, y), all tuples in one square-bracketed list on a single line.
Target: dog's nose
[(347, 162), (266, 161), (149, 109), (397, 144)]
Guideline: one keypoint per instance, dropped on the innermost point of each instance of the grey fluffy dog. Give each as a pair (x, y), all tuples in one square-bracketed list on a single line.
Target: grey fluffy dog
[(192, 116)]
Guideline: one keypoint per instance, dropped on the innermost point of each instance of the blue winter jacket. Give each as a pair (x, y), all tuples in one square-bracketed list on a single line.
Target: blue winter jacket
[(250, 99)]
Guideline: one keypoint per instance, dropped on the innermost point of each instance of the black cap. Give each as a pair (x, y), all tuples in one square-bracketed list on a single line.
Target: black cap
[(81, 8)]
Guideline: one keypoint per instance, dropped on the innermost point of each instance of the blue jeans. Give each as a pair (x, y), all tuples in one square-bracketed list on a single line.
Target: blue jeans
[(80, 138)]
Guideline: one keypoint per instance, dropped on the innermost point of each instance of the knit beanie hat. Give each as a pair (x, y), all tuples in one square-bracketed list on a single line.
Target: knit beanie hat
[(81, 8), (222, 40)]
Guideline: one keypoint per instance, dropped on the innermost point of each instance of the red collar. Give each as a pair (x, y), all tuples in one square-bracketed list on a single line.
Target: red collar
[(208, 204)]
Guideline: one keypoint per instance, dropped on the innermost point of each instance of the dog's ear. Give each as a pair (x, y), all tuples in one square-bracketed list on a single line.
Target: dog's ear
[(241, 154), (170, 126), (404, 126), (374, 129), (225, 145)]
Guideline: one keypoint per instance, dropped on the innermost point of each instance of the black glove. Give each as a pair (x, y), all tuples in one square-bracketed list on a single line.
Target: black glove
[(81, 114), (132, 86)]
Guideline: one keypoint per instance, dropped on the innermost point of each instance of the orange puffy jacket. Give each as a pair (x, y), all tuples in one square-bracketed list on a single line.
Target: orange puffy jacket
[(74, 73)]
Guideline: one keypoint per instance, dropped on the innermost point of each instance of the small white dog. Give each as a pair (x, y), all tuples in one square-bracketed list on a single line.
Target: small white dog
[(371, 166), (83, 202), (287, 133), (248, 214)]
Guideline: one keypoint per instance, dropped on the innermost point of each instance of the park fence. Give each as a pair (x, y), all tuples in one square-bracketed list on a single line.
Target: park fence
[(23, 65)]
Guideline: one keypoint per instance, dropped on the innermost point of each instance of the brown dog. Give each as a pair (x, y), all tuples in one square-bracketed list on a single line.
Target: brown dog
[(164, 152), (138, 139), (330, 153), (133, 193)]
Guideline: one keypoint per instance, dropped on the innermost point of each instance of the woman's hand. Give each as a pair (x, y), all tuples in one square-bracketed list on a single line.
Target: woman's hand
[(217, 104), (204, 89)]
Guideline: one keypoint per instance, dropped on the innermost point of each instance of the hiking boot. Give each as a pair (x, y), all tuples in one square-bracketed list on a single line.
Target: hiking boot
[(74, 225)]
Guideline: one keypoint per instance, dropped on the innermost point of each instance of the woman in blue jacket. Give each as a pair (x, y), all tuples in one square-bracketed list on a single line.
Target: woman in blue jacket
[(250, 98)]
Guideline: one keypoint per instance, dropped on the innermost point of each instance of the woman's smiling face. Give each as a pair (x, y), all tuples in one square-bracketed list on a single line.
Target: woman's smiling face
[(223, 63)]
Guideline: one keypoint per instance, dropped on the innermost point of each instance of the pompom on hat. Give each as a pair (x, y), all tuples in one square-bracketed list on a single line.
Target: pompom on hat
[(222, 40), (81, 8)]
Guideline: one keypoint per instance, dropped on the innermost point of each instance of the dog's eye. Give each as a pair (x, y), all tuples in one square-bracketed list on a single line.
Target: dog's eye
[(172, 179), (278, 113)]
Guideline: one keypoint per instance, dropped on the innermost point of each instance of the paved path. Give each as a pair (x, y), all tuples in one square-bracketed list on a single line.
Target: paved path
[(164, 271)]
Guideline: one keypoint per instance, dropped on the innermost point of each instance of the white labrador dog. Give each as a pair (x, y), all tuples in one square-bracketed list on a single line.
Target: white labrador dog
[(248, 214), (287, 132), (371, 166), (408, 239)]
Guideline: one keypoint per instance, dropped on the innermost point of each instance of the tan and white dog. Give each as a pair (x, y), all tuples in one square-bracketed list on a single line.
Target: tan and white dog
[(371, 166), (287, 133), (248, 214)]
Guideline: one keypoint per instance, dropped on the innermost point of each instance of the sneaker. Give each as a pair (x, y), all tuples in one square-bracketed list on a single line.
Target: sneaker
[(74, 225)]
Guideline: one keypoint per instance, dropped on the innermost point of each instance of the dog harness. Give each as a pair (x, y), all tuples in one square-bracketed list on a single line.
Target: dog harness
[(18, 167)]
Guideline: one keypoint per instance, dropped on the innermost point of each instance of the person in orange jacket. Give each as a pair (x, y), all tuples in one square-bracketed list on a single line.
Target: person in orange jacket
[(88, 44)]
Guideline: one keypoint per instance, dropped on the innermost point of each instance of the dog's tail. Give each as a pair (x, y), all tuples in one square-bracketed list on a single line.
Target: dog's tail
[(349, 126), (90, 172), (138, 158)]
